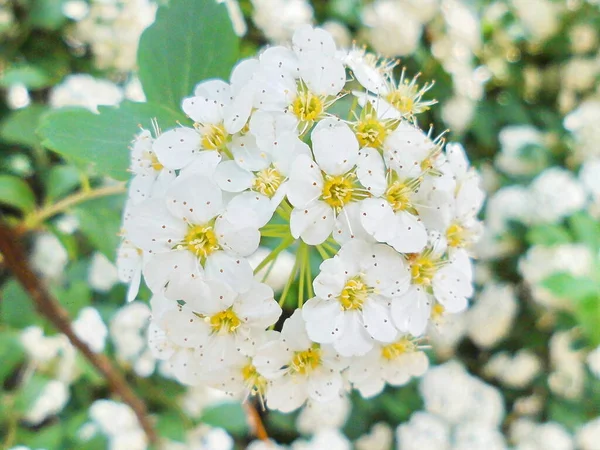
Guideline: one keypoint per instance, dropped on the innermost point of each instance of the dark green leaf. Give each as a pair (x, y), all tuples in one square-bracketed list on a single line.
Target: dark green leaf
[(190, 41), (170, 426), (47, 14), (100, 222), (16, 308), (587, 312), (19, 127), (229, 416), (60, 181), (11, 354), (16, 193), (102, 140), (75, 297), (48, 438)]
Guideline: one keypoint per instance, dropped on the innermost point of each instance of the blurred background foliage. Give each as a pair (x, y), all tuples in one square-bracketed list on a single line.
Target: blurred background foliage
[(497, 65)]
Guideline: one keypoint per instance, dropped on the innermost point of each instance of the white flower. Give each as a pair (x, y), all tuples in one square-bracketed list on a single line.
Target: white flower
[(102, 274), (516, 371), (393, 30), (543, 436), (514, 142), (298, 369), (379, 438), (118, 422), (90, 328), (353, 292), (491, 317), (555, 194), (423, 432), (394, 363), (129, 267), (85, 91), (593, 361), (469, 436), (49, 257), (568, 376), (588, 435), (279, 19), (50, 401), (190, 233), (219, 324), (438, 285), (582, 124), (151, 178), (540, 18), (329, 439), (322, 191), (317, 416)]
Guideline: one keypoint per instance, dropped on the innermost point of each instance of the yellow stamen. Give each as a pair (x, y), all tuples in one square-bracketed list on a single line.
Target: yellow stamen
[(437, 312), (394, 350), (267, 181), (154, 163), (354, 294), (337, 191), (403, 98), (201, 240), (455, 234), (254, 380), (225, 322), (307, 107), (370, 132), (305, 362), (214, 137), (398, 195), (422, 270)]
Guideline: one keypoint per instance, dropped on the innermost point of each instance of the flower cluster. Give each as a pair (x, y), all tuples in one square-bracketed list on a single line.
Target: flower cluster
[(388, 209)]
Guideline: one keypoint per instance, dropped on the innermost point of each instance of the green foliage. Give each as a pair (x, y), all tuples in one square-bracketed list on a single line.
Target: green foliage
[(16, 308), (11, 354), (100, 222), (229, 416), (547, 235), (191, 40), (60, 181), (102, 140), (16, 193), (19, 126)]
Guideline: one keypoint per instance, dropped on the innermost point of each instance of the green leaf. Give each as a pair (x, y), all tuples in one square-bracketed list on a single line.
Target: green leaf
[(587, 312), (585, 229), (11, 354), (74, 298), (32, 76), (100, 222), (567, 286), (229, 416), (19, 127), (102, 140), (190, 41), (48, 438), (60, 181), (548, 235), (30, 392), (16, 308), (16, 193), (170, 426), (47, 14)]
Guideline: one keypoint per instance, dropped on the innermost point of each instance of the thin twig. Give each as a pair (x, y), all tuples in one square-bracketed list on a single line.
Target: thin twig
[(39, 216), (47, 306), (255, 421)]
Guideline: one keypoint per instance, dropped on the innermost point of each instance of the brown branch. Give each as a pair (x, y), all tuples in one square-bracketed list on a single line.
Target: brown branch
[(47, 306), (255, 421)]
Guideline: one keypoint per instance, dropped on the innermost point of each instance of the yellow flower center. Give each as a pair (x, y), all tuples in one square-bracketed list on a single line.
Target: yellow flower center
[(337, 191), (214, 137), (455, 234), (154, 163), (305, 362), (254, 380), (395, 349), (307, 107), (371, 132), (201, 240), (354, 294), (225, 322), (437, 312), (422, 270), (402, 99), (267, 181), (398, 195)]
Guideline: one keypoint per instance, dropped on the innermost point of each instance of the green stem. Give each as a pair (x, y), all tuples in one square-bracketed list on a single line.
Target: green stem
[(308, 273), (275, 253), (289, 282), (302, 258), (37, 217), (322, 252)]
